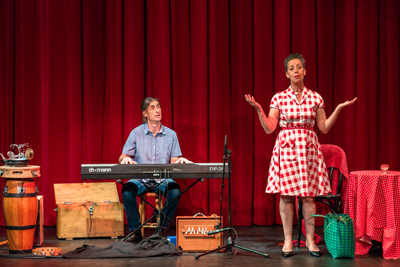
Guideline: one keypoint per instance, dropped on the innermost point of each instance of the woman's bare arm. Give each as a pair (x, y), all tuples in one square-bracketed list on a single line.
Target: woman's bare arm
[(325, 124), (268, 123)]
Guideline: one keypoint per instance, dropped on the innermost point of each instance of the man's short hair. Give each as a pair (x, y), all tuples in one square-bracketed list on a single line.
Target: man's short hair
[(145, 104)]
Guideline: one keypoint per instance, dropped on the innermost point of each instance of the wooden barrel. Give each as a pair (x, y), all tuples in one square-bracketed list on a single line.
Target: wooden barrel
[(20, 207)]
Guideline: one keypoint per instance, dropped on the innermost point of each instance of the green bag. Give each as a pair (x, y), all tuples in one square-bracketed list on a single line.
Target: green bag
[(339, 235)]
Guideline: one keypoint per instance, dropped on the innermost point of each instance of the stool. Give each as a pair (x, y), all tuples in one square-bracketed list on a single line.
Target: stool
[(142, 210)]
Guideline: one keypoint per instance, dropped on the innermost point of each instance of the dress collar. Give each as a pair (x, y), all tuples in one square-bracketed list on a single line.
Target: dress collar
[(305, 94)]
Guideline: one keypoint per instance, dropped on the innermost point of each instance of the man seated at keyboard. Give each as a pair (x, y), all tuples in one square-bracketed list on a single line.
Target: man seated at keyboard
[(150, 143)]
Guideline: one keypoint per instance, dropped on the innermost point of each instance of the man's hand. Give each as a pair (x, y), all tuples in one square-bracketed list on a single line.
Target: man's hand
[(128, 160), (183, 161)]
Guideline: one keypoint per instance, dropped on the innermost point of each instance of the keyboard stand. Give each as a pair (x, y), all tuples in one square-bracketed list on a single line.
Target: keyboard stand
[(156, 211)]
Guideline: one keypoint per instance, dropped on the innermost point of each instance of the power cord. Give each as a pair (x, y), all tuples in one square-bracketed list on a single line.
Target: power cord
[(90, 211)]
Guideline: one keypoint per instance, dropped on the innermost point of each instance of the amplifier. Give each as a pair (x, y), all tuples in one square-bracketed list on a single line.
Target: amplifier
[(191, 233)]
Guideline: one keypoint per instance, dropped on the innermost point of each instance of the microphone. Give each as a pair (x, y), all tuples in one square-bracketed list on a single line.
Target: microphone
[(217, 231), (226, 140)]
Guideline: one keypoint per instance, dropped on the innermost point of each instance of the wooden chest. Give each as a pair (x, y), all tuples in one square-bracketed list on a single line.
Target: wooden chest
[(191, 233), (88, 207)]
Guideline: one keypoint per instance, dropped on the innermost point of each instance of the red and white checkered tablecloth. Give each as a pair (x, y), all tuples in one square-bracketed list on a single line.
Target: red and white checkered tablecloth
[(373, 202)]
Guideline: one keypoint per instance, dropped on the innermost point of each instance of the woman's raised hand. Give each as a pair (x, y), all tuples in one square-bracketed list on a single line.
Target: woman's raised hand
[(346, 104), (252, 102)]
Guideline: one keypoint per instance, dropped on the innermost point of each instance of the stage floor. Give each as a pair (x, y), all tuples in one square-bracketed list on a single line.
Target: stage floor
[(262, 239)]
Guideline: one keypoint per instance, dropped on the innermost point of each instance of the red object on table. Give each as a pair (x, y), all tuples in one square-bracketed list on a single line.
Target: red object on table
[(373, 202)]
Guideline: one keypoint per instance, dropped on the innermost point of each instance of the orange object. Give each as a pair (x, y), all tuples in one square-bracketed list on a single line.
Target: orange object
[(191, 233), (48, 251), (20, 206), (75, 202)]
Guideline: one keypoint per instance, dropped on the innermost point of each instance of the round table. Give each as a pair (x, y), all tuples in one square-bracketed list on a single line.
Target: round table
[(373, 202)]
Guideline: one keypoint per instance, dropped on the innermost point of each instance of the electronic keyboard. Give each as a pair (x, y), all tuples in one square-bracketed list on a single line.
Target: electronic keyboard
[(153, 171)]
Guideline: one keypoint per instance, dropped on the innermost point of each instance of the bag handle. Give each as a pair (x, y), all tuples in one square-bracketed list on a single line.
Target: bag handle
[(344, 219)]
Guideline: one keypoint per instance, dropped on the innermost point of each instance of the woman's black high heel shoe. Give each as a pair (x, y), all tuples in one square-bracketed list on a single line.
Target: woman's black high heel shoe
[(314, 253), (287, 254)]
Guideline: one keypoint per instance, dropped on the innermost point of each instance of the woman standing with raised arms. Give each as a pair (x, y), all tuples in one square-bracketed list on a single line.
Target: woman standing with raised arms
[(297, 165)]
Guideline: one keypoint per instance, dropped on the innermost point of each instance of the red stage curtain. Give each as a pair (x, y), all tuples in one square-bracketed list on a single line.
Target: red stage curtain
[(73, 74)]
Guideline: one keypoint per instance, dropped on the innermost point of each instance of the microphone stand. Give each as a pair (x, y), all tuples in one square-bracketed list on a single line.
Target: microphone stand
[(231, 240)]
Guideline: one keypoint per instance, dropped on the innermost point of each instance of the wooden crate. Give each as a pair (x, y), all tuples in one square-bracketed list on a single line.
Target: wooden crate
[(191, 233), (73, 202)]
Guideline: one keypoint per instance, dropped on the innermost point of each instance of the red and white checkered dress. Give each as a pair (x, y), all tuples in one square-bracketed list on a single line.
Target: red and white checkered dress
[(297, 165)]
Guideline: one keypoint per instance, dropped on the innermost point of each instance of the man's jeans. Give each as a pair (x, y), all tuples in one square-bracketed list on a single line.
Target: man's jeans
[(168, 188)]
